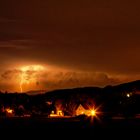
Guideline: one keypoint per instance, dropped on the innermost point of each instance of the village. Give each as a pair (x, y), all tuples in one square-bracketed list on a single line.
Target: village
[(50, 112)]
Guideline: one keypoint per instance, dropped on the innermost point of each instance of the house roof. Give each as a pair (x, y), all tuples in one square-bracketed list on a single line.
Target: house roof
[(85, 106)]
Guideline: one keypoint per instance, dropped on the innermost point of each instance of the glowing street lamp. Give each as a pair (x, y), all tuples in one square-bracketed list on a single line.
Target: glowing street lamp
[(9, 111), (128, 95), (93, 112)]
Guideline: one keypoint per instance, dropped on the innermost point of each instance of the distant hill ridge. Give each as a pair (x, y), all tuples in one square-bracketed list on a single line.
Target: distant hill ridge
[(129, 86)]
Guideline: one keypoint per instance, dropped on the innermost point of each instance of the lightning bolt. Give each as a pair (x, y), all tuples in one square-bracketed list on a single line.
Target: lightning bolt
[(21, 82), (24, 74)]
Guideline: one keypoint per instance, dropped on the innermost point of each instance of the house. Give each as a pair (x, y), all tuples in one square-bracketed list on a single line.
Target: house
[(83, 109)]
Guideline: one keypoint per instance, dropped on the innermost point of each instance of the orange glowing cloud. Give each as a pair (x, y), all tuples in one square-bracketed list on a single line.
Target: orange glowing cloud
[(29, 74)]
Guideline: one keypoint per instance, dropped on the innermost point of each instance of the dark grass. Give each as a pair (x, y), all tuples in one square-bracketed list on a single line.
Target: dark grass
[(43, 128)]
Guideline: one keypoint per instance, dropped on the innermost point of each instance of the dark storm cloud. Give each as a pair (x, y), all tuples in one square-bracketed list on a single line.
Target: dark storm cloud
[(120, 60), (58, 79), (71, 79), (96, 36), (10, 74)]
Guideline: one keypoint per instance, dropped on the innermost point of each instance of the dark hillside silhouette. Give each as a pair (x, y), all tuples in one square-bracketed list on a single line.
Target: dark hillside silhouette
[(123, 98)]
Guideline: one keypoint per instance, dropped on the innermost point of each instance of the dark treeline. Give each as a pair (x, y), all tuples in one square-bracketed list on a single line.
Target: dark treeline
[(124, 98)]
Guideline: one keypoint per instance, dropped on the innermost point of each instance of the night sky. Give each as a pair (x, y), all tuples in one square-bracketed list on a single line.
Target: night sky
[(52, 44)]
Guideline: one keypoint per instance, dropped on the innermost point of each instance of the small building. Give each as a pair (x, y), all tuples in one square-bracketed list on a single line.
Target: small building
[(59, 113), (81, 109)]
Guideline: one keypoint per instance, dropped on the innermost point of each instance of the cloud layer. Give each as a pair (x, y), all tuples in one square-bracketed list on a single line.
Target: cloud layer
[(51, 80), (89, 36)]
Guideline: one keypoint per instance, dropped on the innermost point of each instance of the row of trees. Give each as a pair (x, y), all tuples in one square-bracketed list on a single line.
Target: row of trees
[(109, 101)]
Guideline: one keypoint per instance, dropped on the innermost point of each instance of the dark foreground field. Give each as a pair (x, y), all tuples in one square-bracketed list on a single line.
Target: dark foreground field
[(59, 127), (68, 123)]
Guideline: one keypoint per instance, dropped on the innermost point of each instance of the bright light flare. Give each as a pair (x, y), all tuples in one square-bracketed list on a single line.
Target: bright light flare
[(93, 112)]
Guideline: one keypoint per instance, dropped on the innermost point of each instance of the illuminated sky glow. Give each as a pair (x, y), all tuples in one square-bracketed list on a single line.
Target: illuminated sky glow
[(29, 75), (81, 43)]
